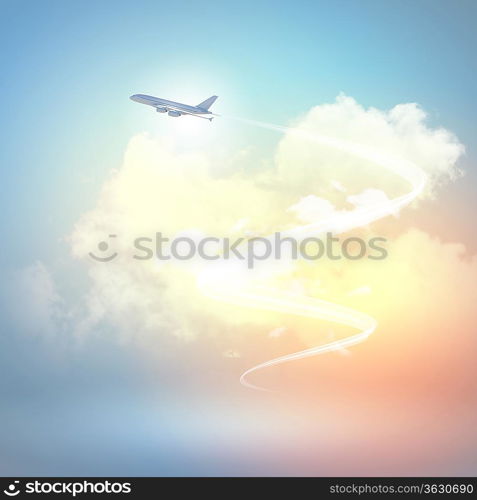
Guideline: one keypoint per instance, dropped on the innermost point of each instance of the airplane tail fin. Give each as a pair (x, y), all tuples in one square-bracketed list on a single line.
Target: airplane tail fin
[(208, 102)]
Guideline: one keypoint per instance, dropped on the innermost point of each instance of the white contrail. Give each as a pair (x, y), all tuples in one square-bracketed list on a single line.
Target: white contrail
[(229, 283)]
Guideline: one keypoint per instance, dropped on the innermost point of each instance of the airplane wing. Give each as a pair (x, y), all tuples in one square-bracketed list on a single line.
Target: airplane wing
[(197, 115), (183, 111)]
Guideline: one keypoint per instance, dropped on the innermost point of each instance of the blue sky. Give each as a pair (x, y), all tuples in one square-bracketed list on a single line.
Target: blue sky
[(68, 69)]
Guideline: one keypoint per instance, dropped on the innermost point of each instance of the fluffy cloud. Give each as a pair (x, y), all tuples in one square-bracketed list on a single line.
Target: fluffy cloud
[(312, 208), (402, 131), (159, 188)]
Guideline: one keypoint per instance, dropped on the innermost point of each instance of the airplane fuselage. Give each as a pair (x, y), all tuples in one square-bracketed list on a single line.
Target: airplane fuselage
[(171, 107)]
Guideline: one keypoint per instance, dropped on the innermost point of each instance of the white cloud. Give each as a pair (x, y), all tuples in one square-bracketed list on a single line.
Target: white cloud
[(277, 332), (158, 188), (311, 208), (402, 131)]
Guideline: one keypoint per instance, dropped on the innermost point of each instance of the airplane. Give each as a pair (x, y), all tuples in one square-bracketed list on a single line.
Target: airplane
[(176, 109)]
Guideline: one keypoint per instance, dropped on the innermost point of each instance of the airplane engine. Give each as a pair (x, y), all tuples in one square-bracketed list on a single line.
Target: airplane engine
[(174, 113), (161, 110)]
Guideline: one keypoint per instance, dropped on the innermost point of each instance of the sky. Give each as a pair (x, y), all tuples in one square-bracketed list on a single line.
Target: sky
[(128, 370)]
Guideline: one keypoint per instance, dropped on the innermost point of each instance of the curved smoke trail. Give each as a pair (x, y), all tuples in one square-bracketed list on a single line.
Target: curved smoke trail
[(233, 285)]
